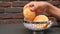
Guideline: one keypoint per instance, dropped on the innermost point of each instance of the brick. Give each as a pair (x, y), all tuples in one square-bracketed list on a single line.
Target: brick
[(8, 0), (11, 21), (14, 10), (40, 0), (26, 0), (57, 6), (11, 15), (13, 0), (20, 3), (5, 4), (2, 10), (55, 2)]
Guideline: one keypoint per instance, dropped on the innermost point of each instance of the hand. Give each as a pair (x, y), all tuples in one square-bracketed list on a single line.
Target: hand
[(38, 6)]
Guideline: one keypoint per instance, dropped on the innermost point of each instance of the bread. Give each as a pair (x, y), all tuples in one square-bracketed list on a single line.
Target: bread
[(41, 18), (28, 14)]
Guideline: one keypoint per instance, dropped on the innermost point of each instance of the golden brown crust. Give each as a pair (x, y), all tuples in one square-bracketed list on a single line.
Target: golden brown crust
[(41, 18), (28, 14)]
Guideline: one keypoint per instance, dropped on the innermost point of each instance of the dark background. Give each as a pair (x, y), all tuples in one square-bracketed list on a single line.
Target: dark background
[(11, 10)]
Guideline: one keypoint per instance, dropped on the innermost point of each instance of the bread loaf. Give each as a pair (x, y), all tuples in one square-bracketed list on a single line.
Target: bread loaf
[(28, 14), (41, 18)]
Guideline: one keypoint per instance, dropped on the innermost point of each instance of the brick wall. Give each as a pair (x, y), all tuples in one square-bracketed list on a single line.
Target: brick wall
[(11, 10)]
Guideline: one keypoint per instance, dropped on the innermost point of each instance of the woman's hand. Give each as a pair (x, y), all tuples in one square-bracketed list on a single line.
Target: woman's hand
[(42, 6), (38, 6)]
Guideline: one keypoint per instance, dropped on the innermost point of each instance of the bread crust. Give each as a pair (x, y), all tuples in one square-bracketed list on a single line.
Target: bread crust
[(28, 14), (41, 18)]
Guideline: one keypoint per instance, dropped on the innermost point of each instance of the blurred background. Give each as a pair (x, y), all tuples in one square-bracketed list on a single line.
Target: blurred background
[(11, 10), (11, 17)]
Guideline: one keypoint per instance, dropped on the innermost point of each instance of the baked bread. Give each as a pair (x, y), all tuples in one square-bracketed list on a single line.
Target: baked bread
[(28, 14), (41, 18)]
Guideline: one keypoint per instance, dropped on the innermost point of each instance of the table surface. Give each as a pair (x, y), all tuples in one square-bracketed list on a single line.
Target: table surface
[(20, 29)]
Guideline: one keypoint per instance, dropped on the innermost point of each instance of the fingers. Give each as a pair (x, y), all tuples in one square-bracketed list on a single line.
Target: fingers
[(36, 6), (32, 5)]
